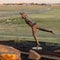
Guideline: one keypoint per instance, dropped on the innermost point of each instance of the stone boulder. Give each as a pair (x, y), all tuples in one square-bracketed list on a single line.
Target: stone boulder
[(9, 53), (34, 55)]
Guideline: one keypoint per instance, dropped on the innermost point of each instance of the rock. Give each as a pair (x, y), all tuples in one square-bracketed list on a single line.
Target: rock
[(34, 55), (57, 51), (9, 53)]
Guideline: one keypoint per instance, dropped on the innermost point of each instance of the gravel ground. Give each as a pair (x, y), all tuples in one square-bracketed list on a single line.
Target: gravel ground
[(27, 45)]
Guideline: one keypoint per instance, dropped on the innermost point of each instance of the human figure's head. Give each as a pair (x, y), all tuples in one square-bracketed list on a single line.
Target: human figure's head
[(23, 15)]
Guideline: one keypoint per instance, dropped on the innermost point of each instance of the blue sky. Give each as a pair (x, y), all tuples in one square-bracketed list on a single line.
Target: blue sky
[(27, 1)]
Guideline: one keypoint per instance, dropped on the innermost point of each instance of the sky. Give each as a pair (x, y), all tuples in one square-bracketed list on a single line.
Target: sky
[(29, 1)]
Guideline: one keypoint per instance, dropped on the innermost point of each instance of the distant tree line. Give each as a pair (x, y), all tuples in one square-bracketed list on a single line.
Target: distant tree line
[(45, 4)]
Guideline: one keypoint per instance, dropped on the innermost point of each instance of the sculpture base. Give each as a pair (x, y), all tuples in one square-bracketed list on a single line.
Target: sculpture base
[(37, 48)]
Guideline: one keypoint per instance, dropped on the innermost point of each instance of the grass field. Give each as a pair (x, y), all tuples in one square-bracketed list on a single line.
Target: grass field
[(12, 27)]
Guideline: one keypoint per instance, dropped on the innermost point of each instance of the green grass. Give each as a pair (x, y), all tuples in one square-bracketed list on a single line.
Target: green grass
[(12, 27)]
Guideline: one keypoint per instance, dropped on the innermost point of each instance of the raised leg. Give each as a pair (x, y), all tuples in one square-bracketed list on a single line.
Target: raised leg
[(46, 30)]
